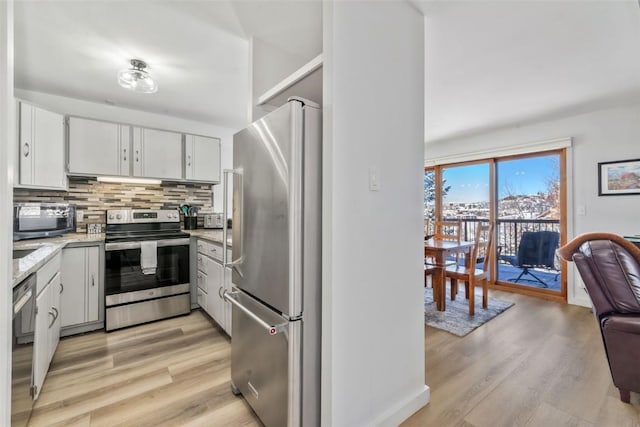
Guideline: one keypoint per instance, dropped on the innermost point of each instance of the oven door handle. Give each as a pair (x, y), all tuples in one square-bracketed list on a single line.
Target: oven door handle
[(121, 246)]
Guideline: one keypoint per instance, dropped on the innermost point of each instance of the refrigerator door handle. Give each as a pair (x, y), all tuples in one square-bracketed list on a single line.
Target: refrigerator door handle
[(271, 329), (225, 212)]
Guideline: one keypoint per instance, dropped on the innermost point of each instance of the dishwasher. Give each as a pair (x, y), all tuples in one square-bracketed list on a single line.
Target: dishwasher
[(24, 312)]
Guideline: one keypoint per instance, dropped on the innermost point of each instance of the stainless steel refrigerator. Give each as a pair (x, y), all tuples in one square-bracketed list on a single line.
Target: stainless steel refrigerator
[(276, 264)]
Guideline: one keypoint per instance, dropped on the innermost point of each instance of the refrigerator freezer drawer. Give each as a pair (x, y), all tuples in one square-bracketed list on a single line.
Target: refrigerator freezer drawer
[(260, 362)]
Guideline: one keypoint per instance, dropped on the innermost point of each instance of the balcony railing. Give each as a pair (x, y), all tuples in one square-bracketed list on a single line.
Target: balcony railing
[(509, 233), (509, 230)]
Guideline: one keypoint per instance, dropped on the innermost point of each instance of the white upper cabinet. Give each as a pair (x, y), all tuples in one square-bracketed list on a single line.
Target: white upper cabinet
[(202, 158), (99, 148), (41, 148), (157, 154)]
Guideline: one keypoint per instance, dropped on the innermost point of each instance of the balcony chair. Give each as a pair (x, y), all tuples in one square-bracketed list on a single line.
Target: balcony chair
[(610, 269), (472, 275), (536, 250), (446, 230)]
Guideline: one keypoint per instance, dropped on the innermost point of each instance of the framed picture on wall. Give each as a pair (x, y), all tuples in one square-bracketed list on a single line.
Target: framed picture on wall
[(619, 178)]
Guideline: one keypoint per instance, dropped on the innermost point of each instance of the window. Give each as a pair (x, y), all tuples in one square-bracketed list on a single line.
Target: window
[(524, 197)]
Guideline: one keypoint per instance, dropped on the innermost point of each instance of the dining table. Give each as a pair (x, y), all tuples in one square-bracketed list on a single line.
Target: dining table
[(439, 249)]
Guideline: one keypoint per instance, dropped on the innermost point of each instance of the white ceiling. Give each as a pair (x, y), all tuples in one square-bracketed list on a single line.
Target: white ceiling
[(196, 50), (488, 63), (502, 63)]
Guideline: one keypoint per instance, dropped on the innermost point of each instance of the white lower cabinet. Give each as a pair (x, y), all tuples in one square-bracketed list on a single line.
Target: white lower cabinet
[(212, 276), (56, 294), (47, 324), (81, 281), (41, 346)]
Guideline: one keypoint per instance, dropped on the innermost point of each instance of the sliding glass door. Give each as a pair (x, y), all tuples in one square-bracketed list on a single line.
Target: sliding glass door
[(524, 197), (528, 221), (466, 196)]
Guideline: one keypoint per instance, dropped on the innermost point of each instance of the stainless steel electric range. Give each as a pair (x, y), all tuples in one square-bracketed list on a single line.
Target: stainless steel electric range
[(146, 267)]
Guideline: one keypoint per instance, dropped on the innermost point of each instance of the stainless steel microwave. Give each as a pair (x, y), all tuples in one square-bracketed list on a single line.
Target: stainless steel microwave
[(34, 220)]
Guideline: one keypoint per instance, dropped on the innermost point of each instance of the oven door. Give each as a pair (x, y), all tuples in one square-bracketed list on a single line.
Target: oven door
[(123, 273)]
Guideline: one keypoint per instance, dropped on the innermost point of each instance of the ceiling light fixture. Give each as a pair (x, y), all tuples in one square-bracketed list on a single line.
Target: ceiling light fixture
[(137, 78)]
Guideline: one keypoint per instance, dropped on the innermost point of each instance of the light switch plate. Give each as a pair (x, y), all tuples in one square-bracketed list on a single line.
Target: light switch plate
[(79, 215), (581, 210), (374, 179)]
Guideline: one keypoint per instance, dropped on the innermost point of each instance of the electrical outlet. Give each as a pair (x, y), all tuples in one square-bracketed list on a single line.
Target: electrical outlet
[(581, 210), (79, 216)]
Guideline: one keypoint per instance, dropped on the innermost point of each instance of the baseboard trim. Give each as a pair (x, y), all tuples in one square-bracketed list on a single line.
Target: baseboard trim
[(396, 415)]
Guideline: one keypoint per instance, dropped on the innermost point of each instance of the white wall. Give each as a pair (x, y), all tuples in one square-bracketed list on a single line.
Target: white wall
[(95, 110), (373, 309), (599, 136), (7, 136), (270, 65)]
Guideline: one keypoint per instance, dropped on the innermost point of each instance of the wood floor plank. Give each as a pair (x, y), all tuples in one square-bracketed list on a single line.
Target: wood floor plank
[(581, 389), (616, 413), (58, 411), (157, 404), (539, 362), (171, 372), (547, 415)]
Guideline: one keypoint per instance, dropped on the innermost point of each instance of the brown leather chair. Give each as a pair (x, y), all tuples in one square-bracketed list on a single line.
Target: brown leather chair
[(610, 268)]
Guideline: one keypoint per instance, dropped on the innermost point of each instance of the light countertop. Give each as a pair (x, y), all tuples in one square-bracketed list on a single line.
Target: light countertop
[(45, 250), (211, 234)]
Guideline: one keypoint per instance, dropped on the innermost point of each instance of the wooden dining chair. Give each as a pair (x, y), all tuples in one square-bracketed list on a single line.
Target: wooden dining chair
[(445, 230), (448, 230), (471, 275), (427, 228)]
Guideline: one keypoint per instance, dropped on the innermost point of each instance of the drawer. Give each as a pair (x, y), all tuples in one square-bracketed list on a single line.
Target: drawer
[(202, 281), (201, 261), (213, 250), (202, 298), (47, 271)]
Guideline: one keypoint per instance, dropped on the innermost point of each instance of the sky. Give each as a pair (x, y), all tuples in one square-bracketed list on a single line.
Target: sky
[(520, 176)]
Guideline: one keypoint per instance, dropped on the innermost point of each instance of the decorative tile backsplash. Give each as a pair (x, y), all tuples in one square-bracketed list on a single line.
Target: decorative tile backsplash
[(93, 198)]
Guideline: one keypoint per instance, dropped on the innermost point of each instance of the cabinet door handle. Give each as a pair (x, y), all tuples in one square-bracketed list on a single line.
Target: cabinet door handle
[(52, 320), (61, 287), (137, 157), (25, 149), (57, 313), (189, 160), (125, 154), (93, 280)]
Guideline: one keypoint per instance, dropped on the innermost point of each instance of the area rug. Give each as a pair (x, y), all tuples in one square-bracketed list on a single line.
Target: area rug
[(455, 319)]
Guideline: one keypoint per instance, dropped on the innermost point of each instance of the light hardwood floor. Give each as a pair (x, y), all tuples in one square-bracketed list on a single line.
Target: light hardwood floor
[(168, 373), (538, 364)]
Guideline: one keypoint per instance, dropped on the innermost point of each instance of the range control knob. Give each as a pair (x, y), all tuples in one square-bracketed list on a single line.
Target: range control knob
[(119, 216), (111, 216)]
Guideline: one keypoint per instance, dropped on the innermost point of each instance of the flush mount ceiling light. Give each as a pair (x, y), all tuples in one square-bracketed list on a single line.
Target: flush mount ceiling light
[(137, 78)]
